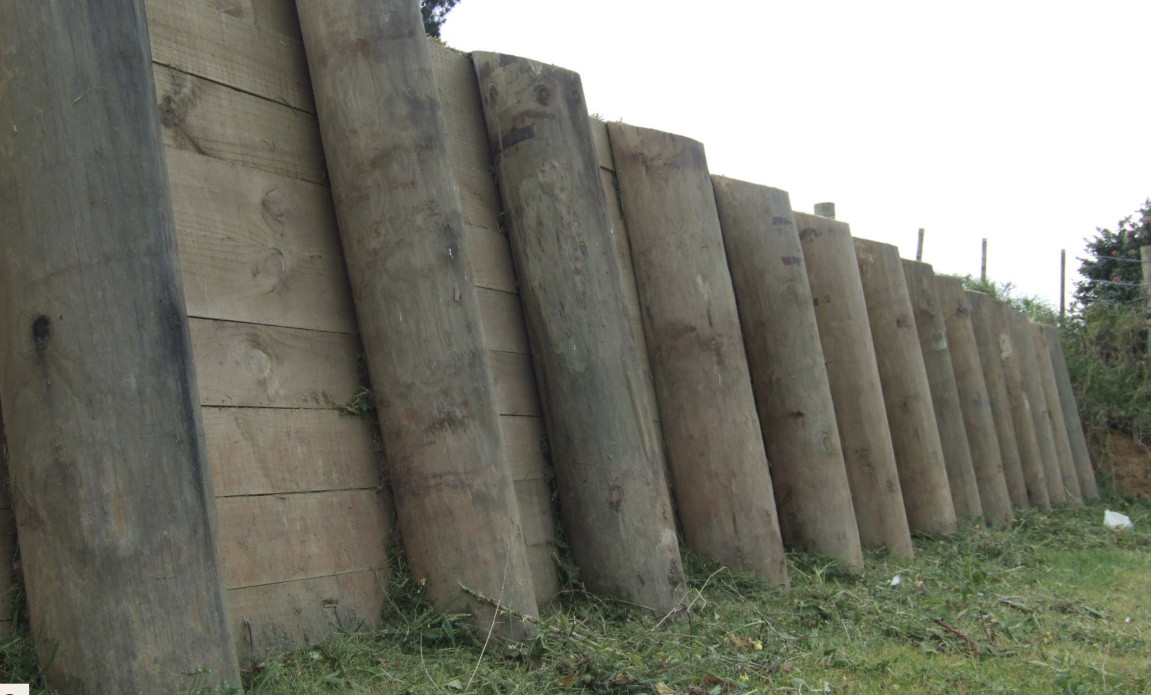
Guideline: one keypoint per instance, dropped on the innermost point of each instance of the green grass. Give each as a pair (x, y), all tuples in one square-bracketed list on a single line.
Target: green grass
[(1054, 603)]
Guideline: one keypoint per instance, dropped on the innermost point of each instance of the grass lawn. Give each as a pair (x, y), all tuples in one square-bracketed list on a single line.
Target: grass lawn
[(1054, 604)]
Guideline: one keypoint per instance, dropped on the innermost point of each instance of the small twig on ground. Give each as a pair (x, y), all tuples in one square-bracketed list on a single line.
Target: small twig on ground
[(957, 633)]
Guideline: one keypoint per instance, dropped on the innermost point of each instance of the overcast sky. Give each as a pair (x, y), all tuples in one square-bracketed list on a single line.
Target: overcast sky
[(1026, 123)]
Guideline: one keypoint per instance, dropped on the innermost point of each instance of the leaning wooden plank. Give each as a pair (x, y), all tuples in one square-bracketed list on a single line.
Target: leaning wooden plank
[(214, 120), (975, 402), (936, 350), (503, 321), (258, 247), (194, 38), (606, 452), (277, 538), (906, 391), (788, 372), (852, 371), (5, 497), (1018, 325), (602, 144), (712, 438), (490, 255), (260, 451), (1029, 453), (110, 483), (7, 563), (403, 233), (249, 365), (526, 444), (1054, 411), (985, 327), (274, 618), (468, 149), (1083, 468)]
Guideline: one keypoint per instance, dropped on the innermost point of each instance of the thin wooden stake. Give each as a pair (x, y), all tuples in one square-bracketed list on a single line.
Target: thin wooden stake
[(1145, 288), (1062, 286), (983, 264), (919, 246)]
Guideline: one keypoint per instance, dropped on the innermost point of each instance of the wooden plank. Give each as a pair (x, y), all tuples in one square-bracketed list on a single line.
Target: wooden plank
[(111, 484), (515, 382), (244, 364), (490, 259), (468, 149), (258, 451), (534, 499), (1055, 416), (975, 402), (712, 439), (852, 371), (608, 463), (1020, 329), (986, 329), (278, 538), (211, 119), (200, 40), (621, 251), (524, 439), (906, 391), (402, 226), (936, 350), (788, 370), (257, 247), (1087, 483), (602, 144), (275, 618), (544, 574), (503, 321)]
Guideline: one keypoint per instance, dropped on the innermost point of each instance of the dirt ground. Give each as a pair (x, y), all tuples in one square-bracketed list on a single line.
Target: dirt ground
[(1128, 463)]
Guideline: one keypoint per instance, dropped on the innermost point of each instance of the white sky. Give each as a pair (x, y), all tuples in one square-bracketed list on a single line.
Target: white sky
[(1023, 122)]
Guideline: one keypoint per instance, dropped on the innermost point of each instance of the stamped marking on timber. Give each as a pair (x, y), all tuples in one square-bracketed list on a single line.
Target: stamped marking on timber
[(41, 330), (791, 260), (516, 136)]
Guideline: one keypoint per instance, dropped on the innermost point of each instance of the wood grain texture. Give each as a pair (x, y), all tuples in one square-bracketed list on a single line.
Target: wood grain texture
[(1020, 330), (788, 372), (197, 39), (934, 345), (257, 247), (1029, 453), (1083, 467), (267, 539), (1054, 412), (214, 120), (853, 374), (110, 483), (975, 402), (404, 237), (712, 438), (271, 619), (985, 327), (249, 365), (259, 451), (906, 390), (606, 451)]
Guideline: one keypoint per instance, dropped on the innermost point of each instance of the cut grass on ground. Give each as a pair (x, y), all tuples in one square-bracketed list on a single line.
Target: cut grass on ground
[(1054, 603)]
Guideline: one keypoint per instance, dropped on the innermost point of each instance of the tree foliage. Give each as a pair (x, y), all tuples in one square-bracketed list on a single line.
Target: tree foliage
[(435, 13), (1112, 257)]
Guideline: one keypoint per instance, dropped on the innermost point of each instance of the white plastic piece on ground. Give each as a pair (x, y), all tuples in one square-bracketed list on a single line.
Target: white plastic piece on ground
[(1116, 520), (897, 580)]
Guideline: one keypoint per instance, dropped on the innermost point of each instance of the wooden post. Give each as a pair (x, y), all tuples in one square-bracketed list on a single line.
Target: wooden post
[(403, 235), (714, 447), (607, 455), (985, 327), (936, 350), (1082, 455), (788, 372), (852, 371), (983, 264), (974, 402), (825, 210), (109, 477), (1020, 329), (1025, 435), (1055, 416), (906, 391), (919, 246), (1062, 285)]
